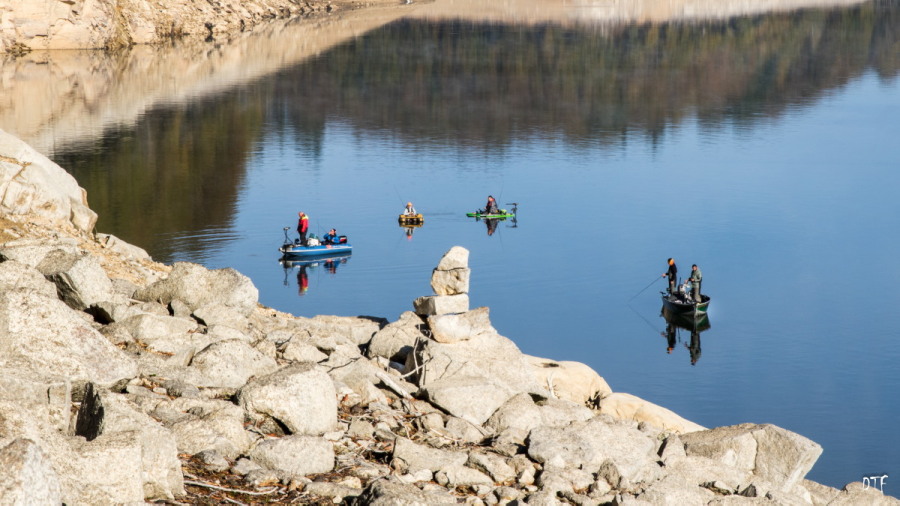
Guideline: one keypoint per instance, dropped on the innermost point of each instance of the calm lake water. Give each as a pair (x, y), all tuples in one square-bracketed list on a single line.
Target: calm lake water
[(763, 149)]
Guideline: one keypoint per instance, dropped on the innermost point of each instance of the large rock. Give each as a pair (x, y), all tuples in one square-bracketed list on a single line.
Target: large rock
[(441, 304), (397, 339), (629, 407), (588, 445), (107, 470), (199, 425), (362, 377), (220, 314), (774, 454), (26, 475), (472, 398), (44, 400), (295, 455), (79, 279), (230, 363), (487, 355), (31, 184), (411, 457), (571, 381), (197, 286), (357, 329), (522, 413), (160, 467), (452, 282), (121, 247), (451, 328), (300, 396), (456, 257), (391, 492), (14, 274), (47, 337), (160, 334)]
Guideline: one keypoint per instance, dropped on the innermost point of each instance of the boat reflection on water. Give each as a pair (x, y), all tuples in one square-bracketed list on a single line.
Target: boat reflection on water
[(303, 267), (675, 323), (410, 228)]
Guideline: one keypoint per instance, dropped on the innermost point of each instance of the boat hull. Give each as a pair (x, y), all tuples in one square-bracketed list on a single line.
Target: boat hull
[(297, 251), (678, 306), (411, 220), (490, 216), (290, 262)]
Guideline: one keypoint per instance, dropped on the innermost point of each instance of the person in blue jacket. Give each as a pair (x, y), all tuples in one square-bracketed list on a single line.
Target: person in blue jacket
[(331, 237)]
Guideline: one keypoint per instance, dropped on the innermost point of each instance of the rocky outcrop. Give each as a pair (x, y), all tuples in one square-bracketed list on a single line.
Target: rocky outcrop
[(32, 185), (48, 24), (152, 388)]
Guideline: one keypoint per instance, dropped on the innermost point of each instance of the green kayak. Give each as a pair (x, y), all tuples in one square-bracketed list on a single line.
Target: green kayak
[(503, 214)]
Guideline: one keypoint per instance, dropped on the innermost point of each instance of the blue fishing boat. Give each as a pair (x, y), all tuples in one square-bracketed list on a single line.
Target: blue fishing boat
[(293, 249)]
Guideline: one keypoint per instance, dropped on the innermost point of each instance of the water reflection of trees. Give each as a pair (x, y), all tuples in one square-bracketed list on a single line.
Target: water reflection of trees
[(178, 168), (488, 84)]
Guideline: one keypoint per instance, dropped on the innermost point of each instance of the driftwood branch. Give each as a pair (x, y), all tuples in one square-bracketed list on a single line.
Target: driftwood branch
[(231, 490), (390, 383)]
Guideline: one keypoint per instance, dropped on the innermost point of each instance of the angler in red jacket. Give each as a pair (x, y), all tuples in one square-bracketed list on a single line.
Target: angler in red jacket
[(302, 227)]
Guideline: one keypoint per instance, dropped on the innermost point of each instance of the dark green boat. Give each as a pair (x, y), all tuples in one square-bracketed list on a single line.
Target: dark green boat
[(502, 214)]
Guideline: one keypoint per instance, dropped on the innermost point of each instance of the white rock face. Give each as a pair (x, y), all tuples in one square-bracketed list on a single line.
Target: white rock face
[(487, 355), (776, 455), (198, 286), (450, 282), (571, 381), (441, 304), (295, 455), (26, 476), (629, 407), (412, 457), (200, 425), (230, 363), (397, 339), (47, 337), (588, 445), (18, 275), (160, 467), (32, 184), (300, 396), (456, 257), (79, 279), (451, 328)]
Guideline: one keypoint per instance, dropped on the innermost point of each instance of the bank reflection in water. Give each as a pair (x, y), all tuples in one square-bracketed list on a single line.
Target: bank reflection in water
[(304, 268), (680, 325)]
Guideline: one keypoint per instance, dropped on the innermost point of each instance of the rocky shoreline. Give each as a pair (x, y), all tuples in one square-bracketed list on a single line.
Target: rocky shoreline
[(128, 381), (107, 24)]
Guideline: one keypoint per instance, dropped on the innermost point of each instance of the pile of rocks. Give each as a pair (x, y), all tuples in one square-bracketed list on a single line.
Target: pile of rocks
[(174, 383)]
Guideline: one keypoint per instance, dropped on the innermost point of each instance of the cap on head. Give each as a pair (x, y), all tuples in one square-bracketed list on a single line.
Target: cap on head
[(694, 266), (671, 261), (409, 203)]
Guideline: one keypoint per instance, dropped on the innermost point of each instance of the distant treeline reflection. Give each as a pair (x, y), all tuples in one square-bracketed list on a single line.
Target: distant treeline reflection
[(481, 85), (491, 83)]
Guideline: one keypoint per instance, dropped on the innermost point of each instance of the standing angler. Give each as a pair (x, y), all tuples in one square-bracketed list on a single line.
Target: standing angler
[(695, 279), (672, 274), (302, 227)]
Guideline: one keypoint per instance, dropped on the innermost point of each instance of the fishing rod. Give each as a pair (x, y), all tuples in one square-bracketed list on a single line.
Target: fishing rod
[(645, 288)]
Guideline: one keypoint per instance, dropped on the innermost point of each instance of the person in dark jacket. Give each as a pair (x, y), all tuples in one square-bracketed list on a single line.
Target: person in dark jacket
[(491, 206), (302, 227), (696, 279), (672, 274)]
